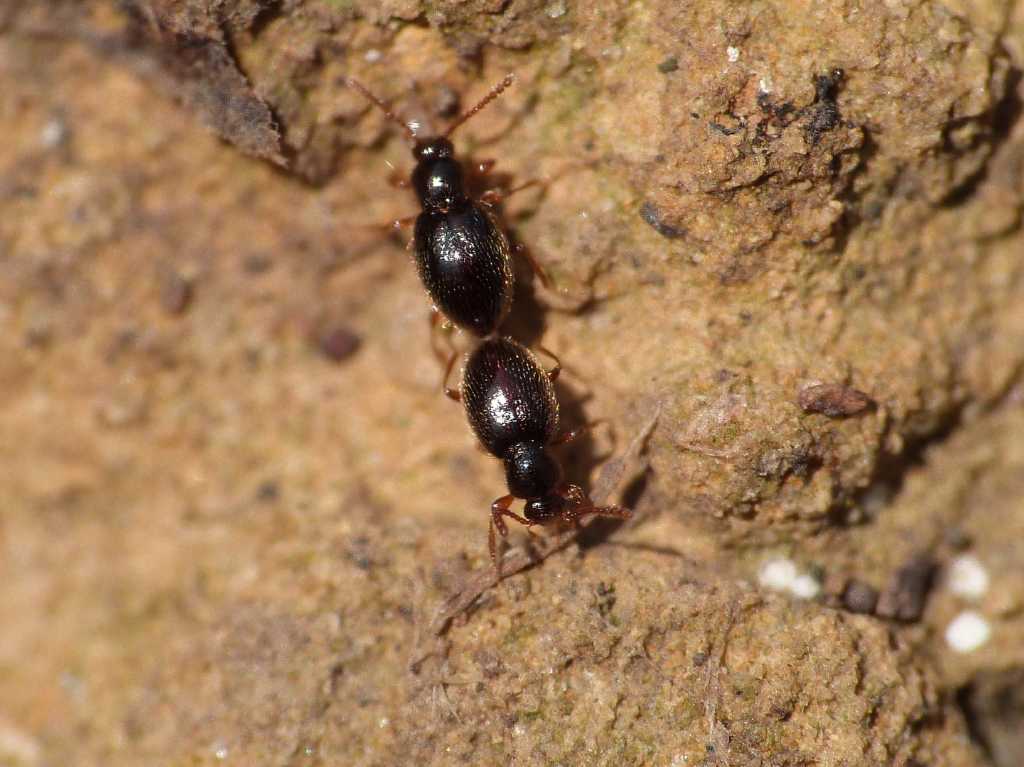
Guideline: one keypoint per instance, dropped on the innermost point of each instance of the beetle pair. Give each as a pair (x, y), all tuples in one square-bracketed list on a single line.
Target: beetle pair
[(465, 263)]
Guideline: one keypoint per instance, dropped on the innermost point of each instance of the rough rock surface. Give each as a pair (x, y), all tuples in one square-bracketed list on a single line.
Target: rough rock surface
[(235, 501)]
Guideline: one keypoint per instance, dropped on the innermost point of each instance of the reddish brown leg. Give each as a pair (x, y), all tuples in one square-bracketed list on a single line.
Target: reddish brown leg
[(397, 179), (439, 321), (569, 436), (394, 225), (582, 506), (494, 197), (575, 514), (553, 373), (538, 270), (398, 223), (500, 509), (485, 166), (454, 394)]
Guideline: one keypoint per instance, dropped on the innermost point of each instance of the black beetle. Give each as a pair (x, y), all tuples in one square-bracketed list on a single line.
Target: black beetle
[(512, 408), (462, 255)]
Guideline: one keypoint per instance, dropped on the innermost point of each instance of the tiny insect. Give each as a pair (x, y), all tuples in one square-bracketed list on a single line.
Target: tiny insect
[(512, 408), (462, 255)]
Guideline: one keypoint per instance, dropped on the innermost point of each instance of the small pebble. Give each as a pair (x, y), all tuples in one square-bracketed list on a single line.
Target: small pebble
[(733, 54), (337, 343), (860, 598), (967, 577), (175, 292), (833, 400), (967, 632), (907, 590)]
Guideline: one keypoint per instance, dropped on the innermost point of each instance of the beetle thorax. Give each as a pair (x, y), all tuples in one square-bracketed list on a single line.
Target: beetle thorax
[(437, 178)]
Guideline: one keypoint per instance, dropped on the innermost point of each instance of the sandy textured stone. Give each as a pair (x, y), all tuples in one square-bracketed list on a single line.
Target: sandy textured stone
[(221, 542)]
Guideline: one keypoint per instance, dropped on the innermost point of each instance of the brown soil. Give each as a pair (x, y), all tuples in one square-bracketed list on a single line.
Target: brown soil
[(240, 525)]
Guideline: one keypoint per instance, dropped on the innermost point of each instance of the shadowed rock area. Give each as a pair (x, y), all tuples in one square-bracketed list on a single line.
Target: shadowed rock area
[(241, 523)]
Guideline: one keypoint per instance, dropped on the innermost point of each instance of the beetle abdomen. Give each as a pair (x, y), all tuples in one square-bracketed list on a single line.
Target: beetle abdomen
[(465, 264), (509, 398)]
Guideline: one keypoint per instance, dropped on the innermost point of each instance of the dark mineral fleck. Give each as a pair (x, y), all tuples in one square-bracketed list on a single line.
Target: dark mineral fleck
[(650, 214), (824, 113), (859, 597), (671, 64), (175, 292), (904, 596), (337, 343)]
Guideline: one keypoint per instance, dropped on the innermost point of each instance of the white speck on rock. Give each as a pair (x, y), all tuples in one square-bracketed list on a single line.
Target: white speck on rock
[(967, 577), (777, 574), (373, 55), (556, 9), (781, 574), (805, 587), (968, 631), (764, 85), (53, 134), (733, 53)]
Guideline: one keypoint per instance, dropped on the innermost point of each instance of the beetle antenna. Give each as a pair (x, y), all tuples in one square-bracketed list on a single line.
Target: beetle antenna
[(494, 93), (351, 82)]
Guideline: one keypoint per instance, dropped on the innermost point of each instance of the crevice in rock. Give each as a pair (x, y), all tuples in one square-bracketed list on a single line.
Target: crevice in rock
[(266, 14), (993, 709), (1005, 115), (891, 470), (973, 721)]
